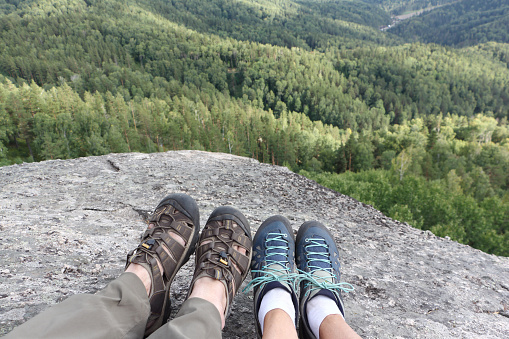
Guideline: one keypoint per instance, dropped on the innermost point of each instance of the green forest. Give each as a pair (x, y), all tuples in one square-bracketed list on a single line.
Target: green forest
[(473, 22), (418, 130)]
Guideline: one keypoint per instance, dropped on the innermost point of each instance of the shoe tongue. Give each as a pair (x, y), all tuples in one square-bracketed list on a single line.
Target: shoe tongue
[(317, 253), (323, 276), (276, 267), (278, 255), (279, 270), (277, 250)]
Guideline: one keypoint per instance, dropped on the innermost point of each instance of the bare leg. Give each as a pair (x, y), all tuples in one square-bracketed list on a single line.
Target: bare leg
[(335, 327), (213, 290), (141, 273), (278, 324)]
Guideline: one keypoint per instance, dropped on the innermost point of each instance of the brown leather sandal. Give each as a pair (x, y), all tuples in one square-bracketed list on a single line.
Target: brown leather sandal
[(215, 256), (178, 214)]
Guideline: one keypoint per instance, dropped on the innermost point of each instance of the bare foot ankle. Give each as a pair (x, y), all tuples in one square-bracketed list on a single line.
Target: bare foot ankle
[(213, 290), (142, 273)]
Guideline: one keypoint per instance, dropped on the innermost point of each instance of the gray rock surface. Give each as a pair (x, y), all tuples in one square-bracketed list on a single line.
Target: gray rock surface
[(66, 226)]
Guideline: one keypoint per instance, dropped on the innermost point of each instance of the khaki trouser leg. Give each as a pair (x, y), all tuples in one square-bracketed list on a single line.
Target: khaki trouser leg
[(197, 319), (120, 310)]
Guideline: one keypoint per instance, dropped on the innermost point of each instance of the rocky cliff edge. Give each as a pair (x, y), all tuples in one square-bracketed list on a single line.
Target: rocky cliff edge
[(66, 226)]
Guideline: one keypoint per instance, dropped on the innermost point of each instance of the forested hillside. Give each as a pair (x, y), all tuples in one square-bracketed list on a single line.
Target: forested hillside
[(360, 88), (312, 85), (448, 175), (461, 23), (304, 23)]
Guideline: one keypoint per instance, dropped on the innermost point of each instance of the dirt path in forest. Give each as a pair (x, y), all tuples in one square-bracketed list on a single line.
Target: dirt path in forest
[(412, 14)]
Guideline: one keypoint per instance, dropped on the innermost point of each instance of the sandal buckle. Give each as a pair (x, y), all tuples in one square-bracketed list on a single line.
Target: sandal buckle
[(149, 244), (223, 258)]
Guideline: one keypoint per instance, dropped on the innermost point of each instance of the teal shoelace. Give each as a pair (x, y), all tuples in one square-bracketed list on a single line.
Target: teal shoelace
[(274, 254), (315, 257), (283, 274)]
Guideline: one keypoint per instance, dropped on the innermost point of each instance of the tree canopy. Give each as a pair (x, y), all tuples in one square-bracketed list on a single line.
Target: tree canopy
[(461, 23), (311, 85)]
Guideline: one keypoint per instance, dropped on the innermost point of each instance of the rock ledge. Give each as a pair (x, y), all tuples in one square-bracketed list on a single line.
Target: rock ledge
[(66, 227)]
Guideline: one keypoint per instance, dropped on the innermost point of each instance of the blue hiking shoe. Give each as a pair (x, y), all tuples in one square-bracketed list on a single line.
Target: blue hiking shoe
[(318, 264), (273, 264)]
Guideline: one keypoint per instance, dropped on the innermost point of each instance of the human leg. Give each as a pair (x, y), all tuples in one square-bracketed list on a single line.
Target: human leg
[(334, 326), (197, 318), (121, 309), (278, 324), (166, 245), (321, 304)]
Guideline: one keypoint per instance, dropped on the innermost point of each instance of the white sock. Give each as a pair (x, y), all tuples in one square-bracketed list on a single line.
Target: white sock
[(317, 309), (276, 298)]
